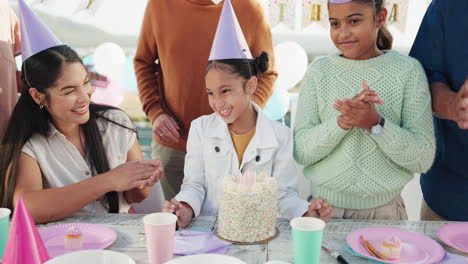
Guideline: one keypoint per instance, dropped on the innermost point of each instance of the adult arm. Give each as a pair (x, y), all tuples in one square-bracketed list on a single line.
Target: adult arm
[(262, 41), (146, 68)]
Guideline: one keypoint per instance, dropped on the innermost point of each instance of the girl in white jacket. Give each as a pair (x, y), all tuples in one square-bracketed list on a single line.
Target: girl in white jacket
[(238, 137)]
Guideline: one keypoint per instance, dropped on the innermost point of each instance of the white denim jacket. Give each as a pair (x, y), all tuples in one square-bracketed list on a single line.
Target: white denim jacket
[(211, 156)]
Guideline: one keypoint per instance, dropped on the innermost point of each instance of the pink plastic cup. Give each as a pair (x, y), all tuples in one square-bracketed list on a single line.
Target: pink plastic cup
[(160, 230)]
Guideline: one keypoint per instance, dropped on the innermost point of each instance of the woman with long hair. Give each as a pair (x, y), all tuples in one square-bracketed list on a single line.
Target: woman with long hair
[(62, 153)]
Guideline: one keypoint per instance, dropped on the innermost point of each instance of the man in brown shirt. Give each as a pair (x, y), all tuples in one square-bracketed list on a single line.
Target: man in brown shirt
[(170, 63)]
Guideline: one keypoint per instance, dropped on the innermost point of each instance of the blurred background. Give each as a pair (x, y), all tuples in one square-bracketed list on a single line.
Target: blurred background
[(105, 34)]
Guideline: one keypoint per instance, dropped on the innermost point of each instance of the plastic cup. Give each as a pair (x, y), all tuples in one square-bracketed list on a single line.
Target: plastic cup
[(160, 230), (4, 228), (307, 233)]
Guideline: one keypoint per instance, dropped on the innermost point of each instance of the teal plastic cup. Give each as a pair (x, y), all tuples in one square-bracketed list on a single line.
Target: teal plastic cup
[(307, 233), (4, 228)]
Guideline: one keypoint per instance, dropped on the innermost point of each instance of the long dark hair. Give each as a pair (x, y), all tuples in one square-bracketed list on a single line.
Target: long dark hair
[(41, 72), (384, 37), (243, 67)]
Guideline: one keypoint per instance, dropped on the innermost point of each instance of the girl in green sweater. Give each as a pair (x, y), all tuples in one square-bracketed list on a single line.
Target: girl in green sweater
[(359, 146)]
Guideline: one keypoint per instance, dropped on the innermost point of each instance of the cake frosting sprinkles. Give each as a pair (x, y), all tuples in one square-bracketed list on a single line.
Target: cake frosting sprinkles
[(248, 208)]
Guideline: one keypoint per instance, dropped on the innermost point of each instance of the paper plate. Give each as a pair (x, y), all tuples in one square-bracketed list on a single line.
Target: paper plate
[(94, 237), (415, 248), (96, 256), (455, 235), (206, 259)]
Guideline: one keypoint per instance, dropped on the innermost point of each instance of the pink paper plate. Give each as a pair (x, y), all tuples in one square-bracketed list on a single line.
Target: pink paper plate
[(415, 248), (455, 235), (94, 237)]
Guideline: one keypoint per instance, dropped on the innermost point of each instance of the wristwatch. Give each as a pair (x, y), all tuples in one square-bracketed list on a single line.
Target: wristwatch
[(378, 129)]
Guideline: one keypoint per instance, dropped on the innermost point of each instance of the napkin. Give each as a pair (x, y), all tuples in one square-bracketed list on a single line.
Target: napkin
[(189, 242)]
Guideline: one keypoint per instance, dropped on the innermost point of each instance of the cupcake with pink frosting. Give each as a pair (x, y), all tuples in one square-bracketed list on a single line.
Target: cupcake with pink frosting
[(73, 238), (391, 247)]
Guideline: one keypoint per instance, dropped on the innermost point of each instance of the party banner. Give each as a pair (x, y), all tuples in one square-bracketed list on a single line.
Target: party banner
[(397, 13), (282, 12), (314, 11)]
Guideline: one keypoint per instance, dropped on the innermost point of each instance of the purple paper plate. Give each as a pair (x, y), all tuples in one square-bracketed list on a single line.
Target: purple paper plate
[(415, 248), (94, 237), (455, 235)]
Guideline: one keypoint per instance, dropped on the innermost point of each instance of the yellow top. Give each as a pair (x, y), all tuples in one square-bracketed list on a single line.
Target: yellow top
[(241, 142)]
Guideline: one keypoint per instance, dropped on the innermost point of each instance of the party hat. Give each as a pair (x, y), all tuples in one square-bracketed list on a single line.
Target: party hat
[(339, 1), (229, 42), (24, 244), (35, 35)]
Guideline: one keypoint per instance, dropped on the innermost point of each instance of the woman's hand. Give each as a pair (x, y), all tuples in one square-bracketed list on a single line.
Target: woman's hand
[(182, 210), (134, 174)]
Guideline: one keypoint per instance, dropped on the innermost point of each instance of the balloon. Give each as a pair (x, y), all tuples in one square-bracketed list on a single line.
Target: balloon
[(108, 58), (291, 64), (111, 95), (88, 60), (129, 80), (278, 104)]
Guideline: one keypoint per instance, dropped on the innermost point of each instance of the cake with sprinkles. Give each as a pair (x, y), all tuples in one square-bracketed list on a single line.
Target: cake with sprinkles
[(248, 208)]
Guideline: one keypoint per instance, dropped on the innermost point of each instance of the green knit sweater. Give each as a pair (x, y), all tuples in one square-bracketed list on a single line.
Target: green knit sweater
[(353, 168)]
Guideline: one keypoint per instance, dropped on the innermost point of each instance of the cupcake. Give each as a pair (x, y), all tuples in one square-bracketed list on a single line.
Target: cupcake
[(391, 247), (73, 238)]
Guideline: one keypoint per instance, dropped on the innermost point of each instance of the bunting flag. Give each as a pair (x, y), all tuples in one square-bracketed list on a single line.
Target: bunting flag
[(90, 6), (282, 12), (314, 11), (397, 13)]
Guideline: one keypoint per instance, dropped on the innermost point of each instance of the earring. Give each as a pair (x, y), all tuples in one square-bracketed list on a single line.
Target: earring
[(41, 106)]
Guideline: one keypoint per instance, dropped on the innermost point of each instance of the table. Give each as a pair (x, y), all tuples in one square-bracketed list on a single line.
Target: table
[(131, 237)]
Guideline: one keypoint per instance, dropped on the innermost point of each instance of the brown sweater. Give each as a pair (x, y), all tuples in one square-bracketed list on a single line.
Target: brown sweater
[(179, 33)]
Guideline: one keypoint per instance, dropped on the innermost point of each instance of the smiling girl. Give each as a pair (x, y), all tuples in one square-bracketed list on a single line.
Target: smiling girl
[(360, 147), (238, 137)]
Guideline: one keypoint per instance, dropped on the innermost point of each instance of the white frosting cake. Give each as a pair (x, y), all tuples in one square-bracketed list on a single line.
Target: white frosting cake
[(248, 210)]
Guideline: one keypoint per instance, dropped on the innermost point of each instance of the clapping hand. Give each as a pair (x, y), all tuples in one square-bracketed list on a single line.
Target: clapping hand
[(360, 110), (460, 107), (135, 174)]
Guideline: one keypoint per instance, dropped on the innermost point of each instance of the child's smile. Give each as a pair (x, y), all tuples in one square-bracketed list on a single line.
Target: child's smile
[(226, 113)]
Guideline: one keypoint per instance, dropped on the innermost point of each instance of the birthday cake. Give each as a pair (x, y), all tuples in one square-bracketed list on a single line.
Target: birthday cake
[(248, 208)]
